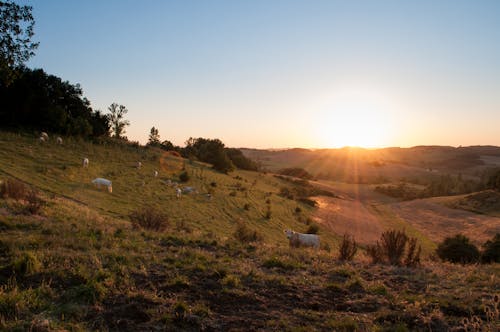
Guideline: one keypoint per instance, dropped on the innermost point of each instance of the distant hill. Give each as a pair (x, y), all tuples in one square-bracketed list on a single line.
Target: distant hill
[(382, 165)]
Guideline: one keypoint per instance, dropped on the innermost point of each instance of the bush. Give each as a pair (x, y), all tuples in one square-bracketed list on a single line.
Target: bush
[(245, 235), (312, 229), (413, 254), (392, 247), (184, 177), (458, 249), (491, 252), (34, 202), (348, 248), (246, 206), (13, 189), (149, 218), (375, 252), (393, 244)]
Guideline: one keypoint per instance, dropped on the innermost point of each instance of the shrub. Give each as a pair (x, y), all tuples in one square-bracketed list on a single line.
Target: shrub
[(458, 249), (308, 201), (298, 209), (491, 252), (312, 229), (375, 252), (245, 235), (184, 177), (413, 253), (13, 189), (268, 214), (348, 248), (149, 218), (246, 206), (34, 202), (393, 244), (26, 264)]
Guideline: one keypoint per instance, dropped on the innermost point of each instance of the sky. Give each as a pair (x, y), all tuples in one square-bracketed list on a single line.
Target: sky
[(278, 74)]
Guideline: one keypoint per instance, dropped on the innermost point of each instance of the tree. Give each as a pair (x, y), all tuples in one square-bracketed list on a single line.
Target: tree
[(117, 112), (16, 31), (154, 137)]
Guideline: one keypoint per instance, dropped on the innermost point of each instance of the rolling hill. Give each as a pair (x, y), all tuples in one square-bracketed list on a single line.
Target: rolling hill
[(76, 262)]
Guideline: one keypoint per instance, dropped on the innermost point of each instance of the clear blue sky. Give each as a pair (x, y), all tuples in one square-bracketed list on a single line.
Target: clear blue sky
[(272, 73)]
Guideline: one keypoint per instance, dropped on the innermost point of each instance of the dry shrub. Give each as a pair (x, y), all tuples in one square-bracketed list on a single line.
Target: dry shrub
[(13, 189), (392, 247), (245, 234), (348, 248), (375, 252), (413, 253), (33, 202), (393, 243), (150, 218)]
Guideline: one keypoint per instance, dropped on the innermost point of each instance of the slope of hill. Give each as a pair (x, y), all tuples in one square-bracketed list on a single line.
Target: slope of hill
[(77, 264)]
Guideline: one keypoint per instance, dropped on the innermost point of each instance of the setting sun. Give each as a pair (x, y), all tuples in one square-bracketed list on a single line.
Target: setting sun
[(354, 119)]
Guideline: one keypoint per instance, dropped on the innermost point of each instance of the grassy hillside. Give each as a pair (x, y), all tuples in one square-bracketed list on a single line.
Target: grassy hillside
[(77, 264)]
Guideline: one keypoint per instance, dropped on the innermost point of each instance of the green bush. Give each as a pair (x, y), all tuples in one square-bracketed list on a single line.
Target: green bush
[(458, 249), (392, 248), (491, 252)]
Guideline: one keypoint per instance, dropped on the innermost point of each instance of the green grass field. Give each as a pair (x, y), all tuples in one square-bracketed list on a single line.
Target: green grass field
[(78, 264)]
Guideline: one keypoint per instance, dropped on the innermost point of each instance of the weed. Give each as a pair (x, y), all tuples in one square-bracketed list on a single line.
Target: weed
[(27, 264), (246, 207), (413, 253), (348, 248)]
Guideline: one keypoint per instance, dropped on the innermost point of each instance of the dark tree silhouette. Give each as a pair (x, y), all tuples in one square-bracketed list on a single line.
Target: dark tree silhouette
[(16, 46), (154, 137), (116, 119)]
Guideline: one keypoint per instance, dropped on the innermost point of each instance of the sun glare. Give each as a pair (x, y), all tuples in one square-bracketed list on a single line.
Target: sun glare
[(354, 120)]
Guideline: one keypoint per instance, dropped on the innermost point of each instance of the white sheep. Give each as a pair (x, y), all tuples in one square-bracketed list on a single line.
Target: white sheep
[(300, 239), (156, 174), (59, 140), (44, 135), (103, 182), (178, 192), (41, 139), (85, 162), (139, 164)]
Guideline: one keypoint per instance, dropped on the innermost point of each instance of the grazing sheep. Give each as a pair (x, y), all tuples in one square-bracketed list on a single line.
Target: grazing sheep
[(156, 174), (178, 192), (41, 139), (85, 162), (44, 135), (300, 239), (104, 182), (139, 164), (188, 190), (59, 140)]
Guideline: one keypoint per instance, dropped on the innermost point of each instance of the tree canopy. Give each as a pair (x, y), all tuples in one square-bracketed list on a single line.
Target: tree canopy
[(16, 46), (37, 100)]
